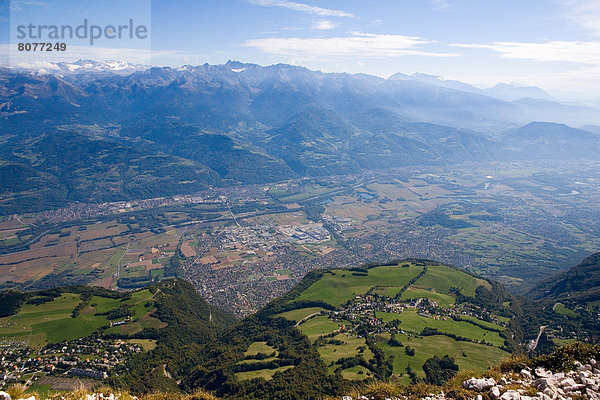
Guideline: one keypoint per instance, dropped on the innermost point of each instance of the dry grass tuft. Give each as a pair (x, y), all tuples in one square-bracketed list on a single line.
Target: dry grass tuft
[(17, 391), (513, 364)]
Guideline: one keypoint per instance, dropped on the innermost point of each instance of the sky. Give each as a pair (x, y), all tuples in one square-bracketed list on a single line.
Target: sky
[(551, 44)]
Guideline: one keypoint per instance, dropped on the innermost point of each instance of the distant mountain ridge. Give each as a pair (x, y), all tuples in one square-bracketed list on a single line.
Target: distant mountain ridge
[(509, 92), (180, 130)]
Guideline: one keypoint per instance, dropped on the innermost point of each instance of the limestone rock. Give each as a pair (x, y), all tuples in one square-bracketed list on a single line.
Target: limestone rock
[(542, 373), (495, 392), (510, 395), (479, 385)]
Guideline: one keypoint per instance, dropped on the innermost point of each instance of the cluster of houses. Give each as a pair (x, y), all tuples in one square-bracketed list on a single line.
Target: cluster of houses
[(362, 311), (84, 358)]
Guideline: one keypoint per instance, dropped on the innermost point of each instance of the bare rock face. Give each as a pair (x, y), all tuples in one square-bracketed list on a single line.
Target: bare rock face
[(495, 392), (510, 395), (479, 385), (4, 396)]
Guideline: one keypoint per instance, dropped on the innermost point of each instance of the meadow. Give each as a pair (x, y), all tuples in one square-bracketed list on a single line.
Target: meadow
[(442, 278), (52, 322), (411, 321), (467, 355), (341, 346), (299, 314), (442, 300), (255, 349), (339, 286)]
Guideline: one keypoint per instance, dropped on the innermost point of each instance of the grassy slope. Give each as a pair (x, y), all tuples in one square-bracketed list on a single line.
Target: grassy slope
[(443, 300), (341, 286), (413, 322), (478, 357), (53, 319), (299, 314), (442, 278), (436, 284)]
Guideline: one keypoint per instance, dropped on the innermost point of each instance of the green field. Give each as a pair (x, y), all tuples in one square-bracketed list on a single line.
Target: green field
[(357, 373), (340, 286), (468, 356), (442, 300), (70, 328), (443, 278), (490, 325), (138, 301), (257, 348), (52, 322), (318, 326), (142, 306), (307, 193), (104, 304), (146, 344), (299, 314), (387, 291), (31, 315), (560, 308), (563, 342), (351, 347), (413, 322), (266, 374), (593, 304), (260, 347)]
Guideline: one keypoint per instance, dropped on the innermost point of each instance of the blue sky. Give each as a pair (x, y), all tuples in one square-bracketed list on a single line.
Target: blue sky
[(552, 44)]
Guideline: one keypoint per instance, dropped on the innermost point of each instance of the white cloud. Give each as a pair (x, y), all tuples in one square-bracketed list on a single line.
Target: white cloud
[(357, 45), (441, 4), (17, 5), (37, 65), (583, 13), (290, 5), (324, 25), (578, 52)]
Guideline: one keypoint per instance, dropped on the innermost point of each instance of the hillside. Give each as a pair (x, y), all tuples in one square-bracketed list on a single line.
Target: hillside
[(147, 325), (567, 304), (336, 328), (342, 326), (580, 283), (567, 372)]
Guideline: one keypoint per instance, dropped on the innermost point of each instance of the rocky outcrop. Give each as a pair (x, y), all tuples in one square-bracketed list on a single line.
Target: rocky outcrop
[(584, 381), (479, 385), (91, 396)]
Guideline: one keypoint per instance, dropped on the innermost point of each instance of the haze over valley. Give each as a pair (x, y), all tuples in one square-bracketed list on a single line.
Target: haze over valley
[(272, 199), (264, 173)]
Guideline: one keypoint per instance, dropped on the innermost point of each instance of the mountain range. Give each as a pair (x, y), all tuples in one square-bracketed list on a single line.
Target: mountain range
[(138, 131)]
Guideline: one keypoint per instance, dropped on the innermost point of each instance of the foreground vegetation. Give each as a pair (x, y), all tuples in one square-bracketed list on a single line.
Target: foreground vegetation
[(562, 359)]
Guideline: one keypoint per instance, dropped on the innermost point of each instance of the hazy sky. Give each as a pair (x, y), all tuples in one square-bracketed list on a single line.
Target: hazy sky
[(552, 44)]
